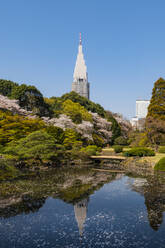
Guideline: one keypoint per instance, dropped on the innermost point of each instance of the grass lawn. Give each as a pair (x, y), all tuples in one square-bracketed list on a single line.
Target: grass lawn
[(110, 151), (153, 160)]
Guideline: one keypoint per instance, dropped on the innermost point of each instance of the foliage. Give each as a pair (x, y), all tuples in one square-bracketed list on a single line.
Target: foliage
[(156, 108), (31, 99), (83, 101), (14, 127), (116, 130), (139, 152), (38, 145), (160, 165), (70, 138), (118, 148), (91, 150), (155, 121), (121, 141), (137, 138), (56, 132), (161, 149), (55, 105), (97, 140), (6, 87), (15, 130), (76, 112), (77, 108), (8, 171), (155, 130)]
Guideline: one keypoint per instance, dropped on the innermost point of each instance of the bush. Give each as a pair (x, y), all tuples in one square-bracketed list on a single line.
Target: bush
[(162, 149), (118, 149), (98, 141), (160, 165), (139, 152), (56, 132), (91, 150), (121, 141), (38, 145)]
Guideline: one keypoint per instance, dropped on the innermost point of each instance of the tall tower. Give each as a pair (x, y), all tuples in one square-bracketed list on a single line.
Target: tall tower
[(80, 77)]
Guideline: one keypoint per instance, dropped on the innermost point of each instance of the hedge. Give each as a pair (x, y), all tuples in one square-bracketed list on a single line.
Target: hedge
[(139, 152)]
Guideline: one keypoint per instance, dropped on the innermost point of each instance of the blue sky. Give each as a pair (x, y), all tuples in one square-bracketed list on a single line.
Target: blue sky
[(123, 44)]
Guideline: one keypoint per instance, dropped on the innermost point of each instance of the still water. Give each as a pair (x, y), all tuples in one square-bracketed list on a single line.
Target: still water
[(126, 212)]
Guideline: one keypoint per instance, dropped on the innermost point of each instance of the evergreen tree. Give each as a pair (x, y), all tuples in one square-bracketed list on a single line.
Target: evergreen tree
[(156, 108), (155, 121)]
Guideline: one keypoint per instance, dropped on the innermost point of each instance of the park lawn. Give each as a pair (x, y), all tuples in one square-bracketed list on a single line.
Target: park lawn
[(109, 151), (153, 159)]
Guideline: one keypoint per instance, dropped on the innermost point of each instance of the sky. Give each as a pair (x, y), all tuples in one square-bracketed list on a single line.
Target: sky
[(123, 44)]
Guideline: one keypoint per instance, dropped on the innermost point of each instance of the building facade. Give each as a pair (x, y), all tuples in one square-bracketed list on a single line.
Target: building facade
[(141, 112), (80, 77), (142, 108)]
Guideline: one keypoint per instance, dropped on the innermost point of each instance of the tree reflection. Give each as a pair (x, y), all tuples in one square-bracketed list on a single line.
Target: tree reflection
[(153, 190)]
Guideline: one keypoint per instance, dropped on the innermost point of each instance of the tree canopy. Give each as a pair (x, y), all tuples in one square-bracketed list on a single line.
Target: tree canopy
[(14, 127), (156, 108), (39, 145), (155, 121), (30, 98)]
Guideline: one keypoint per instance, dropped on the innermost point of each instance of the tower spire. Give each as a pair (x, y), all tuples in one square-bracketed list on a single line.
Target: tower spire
[(80, 77)]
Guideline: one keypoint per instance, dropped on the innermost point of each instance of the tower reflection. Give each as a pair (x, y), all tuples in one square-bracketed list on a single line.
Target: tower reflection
[(80, 210)]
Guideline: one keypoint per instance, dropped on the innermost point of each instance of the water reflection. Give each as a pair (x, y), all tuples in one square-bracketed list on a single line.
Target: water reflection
[(153, 190), (80, 210), (119, 210), (20, 205)]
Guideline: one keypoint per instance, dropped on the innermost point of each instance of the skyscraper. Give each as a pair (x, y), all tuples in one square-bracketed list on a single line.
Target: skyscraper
[(80, 77)]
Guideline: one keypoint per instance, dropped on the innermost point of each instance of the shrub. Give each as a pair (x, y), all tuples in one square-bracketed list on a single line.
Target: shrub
[(38, 146), (56, 132), (162, 149), (160, 165), (91, 150), (118, 148), (121, 141), (70, 138), (139, 152), (98, 141)]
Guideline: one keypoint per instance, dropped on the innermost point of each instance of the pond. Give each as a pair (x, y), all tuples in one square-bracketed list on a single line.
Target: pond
[(123, 211)]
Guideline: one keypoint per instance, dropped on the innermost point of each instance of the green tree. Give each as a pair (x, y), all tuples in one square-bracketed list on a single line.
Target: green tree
[(14, 127), (98, 141), (56, 132), (83, 101), (155, 121), (6, 87), (116, 130), (156, 108), (121, 141), (55, 105), (31, 99), (71, 137), (76, 112), (37, 145)]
